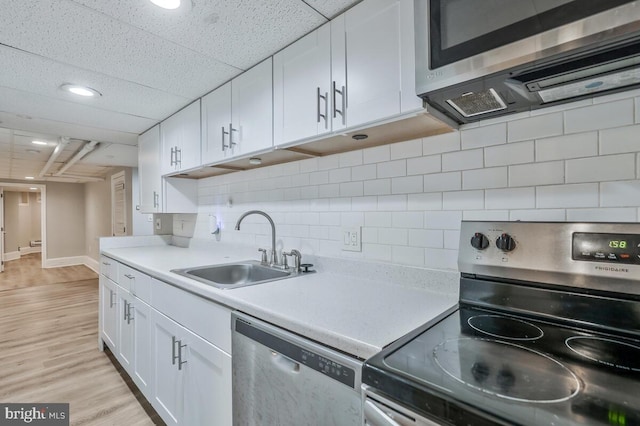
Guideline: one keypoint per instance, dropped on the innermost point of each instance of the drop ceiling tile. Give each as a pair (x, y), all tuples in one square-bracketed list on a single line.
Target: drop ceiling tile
[(77, 35), (331, 8), (240, 33), (38, 75), (113, 155)]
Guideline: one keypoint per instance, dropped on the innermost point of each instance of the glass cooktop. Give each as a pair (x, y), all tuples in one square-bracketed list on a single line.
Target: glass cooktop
[(477, 364)]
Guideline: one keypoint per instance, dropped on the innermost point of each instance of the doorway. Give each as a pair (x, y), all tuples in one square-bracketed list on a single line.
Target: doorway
[(22, 222)]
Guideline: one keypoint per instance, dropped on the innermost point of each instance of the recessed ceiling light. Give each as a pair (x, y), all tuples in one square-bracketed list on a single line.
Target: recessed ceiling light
[(33, 189), (29, 177), (167, 4), (39, 142), (255, 160), (80, 90), (33, 151)]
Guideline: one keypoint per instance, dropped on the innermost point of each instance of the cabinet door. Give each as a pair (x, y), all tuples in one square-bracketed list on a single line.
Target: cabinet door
[(142, 369), (180, 140), (168, 386), (379, 52), (302, 88), (124, 350), (149, 170), (252, 109), (108, 311), (216, 122), (207, 397)]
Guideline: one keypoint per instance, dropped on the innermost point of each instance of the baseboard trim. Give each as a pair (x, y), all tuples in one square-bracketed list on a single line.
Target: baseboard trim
[(92, 264), (28, 250), (65, 261), (14, 255)]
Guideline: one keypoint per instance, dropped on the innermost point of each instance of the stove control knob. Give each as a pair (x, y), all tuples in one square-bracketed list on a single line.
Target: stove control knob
[(479, 241), (505, 242)]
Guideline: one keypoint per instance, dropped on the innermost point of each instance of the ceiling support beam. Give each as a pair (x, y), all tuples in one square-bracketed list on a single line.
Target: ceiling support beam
[(87, 148), (62, 143)]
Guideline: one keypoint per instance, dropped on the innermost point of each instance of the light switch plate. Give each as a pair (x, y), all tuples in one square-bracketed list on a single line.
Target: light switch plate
[(351, 238)]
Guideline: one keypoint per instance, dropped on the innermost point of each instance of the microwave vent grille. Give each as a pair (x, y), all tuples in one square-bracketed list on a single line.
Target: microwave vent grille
[(475, 103)]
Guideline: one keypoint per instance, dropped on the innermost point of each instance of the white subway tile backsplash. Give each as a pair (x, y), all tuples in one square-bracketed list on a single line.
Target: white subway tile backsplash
[(602, 215), (574, 195), (447, 142), (376, 154), (393, 236), (441, 258), (495, 134), (406, 185), (392, 203), (443, 182), (565, 147), (350, 159), (406, 149), (496, 177), (410, 197), (511, 198), (541, 215), (424, 165), (351, 189), (442, 219), (392, 169), (377, 187), (536, 174), (600, 169), (366, 172), (413, 256), (463, 200), (340, 175), (378, 219), (540, 126), (463, 160), (426, 238), (599, 116), (620, 140), (620, 194), (407, 220), (513, 153), (425, 201)]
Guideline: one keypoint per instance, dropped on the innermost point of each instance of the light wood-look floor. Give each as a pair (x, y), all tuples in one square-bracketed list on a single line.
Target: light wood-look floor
[(49, 353), (27, 272)]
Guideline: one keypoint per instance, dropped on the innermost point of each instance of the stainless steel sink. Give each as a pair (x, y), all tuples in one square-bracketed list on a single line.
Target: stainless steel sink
[(234, 275)]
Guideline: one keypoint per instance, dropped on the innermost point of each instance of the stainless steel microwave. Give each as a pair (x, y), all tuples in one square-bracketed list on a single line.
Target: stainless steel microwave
[(477, 59)]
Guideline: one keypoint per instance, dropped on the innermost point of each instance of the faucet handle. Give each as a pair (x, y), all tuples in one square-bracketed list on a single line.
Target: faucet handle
[(297, 257), (264, 260)]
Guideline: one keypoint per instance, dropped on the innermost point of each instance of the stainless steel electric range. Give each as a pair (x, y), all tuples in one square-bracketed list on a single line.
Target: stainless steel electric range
[(546, 332)]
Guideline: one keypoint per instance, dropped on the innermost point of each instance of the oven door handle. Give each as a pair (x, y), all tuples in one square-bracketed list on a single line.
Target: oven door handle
[(376, 417)]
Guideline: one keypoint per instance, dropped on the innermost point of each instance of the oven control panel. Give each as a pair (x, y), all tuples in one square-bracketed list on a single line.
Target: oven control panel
[(602, 247)]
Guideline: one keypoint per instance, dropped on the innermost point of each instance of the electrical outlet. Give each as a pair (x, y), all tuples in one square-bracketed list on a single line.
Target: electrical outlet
[(158, 224), (351, 238), (150, 218)]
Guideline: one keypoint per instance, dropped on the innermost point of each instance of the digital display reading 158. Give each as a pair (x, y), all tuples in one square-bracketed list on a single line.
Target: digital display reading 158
[(612, 248)]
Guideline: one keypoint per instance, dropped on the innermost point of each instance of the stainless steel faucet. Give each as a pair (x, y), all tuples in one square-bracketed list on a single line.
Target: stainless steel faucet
[(274, 257)]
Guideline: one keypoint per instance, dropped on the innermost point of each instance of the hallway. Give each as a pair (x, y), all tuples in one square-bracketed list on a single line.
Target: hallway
[(28, 272)]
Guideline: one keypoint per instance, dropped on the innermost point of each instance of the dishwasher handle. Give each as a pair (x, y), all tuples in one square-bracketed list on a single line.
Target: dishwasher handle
[(284, 364)]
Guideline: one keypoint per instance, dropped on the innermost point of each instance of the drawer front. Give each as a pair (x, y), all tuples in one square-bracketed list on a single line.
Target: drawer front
[(138, 283), (204, 317), (109, 268)]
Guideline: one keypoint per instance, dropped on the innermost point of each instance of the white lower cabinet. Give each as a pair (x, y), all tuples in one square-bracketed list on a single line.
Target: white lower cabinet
[(192, 376), (186, 378)]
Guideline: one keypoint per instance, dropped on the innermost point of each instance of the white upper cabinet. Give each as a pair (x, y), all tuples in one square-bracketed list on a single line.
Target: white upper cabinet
[(237, 118), (150, 180), (180, 136), (302, 88), (373, 63)]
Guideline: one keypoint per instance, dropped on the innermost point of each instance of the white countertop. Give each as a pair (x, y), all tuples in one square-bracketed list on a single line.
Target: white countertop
[(358, 315)]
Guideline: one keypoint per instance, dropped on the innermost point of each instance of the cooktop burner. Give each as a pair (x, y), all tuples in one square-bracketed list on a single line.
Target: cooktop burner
[(505, 327), (506, 370), (605, 351)]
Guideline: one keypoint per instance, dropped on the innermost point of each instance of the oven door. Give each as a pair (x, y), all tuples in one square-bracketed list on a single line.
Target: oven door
[(379, 411)]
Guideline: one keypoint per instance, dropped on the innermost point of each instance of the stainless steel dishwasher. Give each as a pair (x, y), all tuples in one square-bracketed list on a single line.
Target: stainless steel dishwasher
[(280, 378)]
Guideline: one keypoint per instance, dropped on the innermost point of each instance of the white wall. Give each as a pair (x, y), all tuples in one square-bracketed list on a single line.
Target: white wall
[(65, 220), (578, 162)]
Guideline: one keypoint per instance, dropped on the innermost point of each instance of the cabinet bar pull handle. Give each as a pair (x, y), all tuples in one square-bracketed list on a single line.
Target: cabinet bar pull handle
[(124, 311), (155, 199), (180, 361), (178, 159), (342, 93), (174, 357), (224, 146), (173, 151), (231, 130), (129, 276), (324, 116), (110, 298), (106, 263), (129, 317)]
